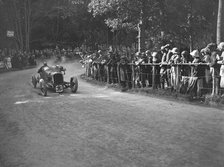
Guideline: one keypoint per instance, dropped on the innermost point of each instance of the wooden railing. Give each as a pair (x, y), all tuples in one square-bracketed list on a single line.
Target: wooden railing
[(103, 72)]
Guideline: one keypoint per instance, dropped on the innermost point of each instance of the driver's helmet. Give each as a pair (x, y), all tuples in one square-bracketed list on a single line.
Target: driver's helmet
[(99, 52), (60, 68), (45, 63)]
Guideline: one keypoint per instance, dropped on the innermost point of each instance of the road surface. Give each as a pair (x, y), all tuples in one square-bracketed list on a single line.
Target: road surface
[(100, 127)]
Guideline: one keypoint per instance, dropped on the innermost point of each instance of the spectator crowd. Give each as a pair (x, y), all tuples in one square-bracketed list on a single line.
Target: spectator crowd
[(16, 59), (10, 58), (198, 72)]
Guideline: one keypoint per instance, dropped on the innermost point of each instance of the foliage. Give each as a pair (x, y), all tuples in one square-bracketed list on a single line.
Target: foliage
[(40, 23), (177, 18)]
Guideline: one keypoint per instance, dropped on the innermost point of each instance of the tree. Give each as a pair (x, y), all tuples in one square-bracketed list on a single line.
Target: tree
[(41, 23), (64, 22), (220, 22), (17, 18), (138, 15)]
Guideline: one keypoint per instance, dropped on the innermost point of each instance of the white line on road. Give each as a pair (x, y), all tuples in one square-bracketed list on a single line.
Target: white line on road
[(28, 101), (22, 102)]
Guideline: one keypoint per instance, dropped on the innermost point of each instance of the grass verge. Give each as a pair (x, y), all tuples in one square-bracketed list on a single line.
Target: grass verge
[(207, 100)]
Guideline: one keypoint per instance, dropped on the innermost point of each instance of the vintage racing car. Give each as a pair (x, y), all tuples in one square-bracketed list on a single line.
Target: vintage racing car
[(52, 77)]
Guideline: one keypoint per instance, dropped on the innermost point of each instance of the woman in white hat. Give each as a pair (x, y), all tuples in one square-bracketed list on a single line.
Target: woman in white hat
[(173, 70), (198, 71)]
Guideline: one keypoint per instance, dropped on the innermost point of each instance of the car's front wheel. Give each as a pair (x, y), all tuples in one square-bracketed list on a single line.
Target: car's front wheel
[(43, 87), (74, 84)]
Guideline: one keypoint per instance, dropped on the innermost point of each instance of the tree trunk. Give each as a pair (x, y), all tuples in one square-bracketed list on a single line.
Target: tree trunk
[(18, 25), (27, 13), (141, 37), (141, 28), (220, 22)]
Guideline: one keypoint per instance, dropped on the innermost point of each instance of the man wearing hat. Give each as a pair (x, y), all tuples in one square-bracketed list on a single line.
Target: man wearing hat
[(221, 61), (167, 59), (215, 68), (149, 56), (138, 60), (185, 58), (206, 58), (156, 59), (112, 66), (198, 71), (123, 72), (144, 70), (100, 66), (149, 68), (163, 69)]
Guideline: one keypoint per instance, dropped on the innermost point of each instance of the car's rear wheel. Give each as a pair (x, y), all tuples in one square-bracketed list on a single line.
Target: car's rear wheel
[(74, 84), (34, 81)]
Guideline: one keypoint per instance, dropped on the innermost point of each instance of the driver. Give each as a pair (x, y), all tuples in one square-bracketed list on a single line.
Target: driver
[(60, 68), (41, 68)]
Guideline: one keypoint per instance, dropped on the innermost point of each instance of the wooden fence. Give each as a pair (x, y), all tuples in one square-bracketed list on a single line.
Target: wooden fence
[(154, 72)]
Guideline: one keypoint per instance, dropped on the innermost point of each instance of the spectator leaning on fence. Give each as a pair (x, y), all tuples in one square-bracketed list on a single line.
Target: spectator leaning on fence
[(173, 70), (137, 61), (143, 69), (215, 67), (156, 59), (221, 61), (198, 71), (168, 57), (112, 67), (185, 58), (149, 68), (163, 69), (123, 71), (206, 56)]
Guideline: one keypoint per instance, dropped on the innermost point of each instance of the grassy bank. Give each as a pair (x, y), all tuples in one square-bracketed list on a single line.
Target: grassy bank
[(207, 100)]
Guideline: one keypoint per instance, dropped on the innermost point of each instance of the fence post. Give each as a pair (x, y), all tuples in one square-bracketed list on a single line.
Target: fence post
[(178, 77), (99, 71), (108, 73), (118, 74), (153, 76), (213, 81), (133, 75)]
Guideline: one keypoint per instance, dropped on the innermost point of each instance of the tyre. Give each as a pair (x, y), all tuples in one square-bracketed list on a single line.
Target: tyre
[(74, 84), (43, 87), (34, 81)]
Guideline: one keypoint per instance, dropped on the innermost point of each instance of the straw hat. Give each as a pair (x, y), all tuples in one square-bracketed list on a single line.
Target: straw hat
[(212, 46), (221, 46), (137, 53), (175, 50), (155, 56), (184, 53), (195, 53), (205, 50), (167, 46), (147, 52)]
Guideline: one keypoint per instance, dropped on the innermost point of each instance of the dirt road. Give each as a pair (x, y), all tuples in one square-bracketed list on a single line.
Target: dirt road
[(99, 127)]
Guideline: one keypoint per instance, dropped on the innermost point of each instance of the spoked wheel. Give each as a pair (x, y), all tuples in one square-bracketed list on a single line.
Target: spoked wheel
[(44, 91), (34, 81), (74, 84), (43, 87)]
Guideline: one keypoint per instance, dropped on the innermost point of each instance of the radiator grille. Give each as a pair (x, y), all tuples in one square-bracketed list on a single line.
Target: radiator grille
[(58, 79)]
